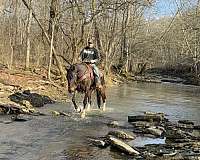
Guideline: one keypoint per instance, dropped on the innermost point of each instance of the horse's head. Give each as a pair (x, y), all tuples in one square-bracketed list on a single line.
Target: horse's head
[(72, 78)]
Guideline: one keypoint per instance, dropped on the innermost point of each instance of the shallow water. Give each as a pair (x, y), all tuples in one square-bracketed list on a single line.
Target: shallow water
[(60, 138)]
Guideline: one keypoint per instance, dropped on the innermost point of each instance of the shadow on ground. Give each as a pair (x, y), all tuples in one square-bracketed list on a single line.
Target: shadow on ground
[(35, 99)]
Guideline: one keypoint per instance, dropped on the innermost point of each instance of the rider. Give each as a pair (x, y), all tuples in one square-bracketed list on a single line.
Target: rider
[(90, 55)]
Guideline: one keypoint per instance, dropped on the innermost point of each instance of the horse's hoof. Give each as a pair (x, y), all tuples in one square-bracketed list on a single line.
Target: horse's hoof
[(104, 107), (78, 110), (83, 114), (88, 107)]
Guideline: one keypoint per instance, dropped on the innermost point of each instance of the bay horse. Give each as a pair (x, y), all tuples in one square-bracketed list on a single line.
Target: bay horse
[(81, 79)]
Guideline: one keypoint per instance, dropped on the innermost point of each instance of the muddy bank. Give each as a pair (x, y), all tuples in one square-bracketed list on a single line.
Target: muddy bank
[(18, 85), (176, 74), (173, 74)]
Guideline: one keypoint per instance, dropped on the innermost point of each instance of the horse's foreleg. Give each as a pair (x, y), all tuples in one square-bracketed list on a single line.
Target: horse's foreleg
[(85, 100), (89, 100), (98, 98), (74, 102)]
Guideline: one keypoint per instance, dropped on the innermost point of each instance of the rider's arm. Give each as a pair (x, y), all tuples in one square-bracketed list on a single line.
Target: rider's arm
[(96, 56), (81, 55)]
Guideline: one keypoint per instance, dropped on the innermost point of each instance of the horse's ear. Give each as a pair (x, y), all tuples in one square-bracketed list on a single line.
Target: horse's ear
[(67, 67), (72, 68)]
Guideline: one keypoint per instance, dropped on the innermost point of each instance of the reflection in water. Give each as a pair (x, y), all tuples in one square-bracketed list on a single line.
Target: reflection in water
[(141, 141), (60, 138)]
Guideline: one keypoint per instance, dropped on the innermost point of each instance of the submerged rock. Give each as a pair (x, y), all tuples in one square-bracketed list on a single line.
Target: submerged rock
[(55, 113), (113, 124), (121, 134), (141, 124), (122, 146)]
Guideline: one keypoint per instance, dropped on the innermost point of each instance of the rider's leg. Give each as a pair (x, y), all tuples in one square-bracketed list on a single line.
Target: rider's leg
[(97, 75)]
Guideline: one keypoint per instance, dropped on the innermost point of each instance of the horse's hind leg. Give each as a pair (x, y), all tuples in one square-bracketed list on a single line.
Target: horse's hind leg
[(103, 95), (89, 100), (98, 98)]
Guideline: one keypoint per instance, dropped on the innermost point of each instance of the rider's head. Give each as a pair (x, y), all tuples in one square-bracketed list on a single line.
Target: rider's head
[(90, 43)]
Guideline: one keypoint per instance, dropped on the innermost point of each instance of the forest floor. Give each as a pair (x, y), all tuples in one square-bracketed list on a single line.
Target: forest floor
[(19, 81)]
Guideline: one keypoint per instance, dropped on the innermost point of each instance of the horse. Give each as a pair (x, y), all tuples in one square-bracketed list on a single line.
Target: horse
[(81, 79)]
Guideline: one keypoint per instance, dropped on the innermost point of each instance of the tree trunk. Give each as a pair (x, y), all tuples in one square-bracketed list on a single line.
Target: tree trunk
[(63, 78), (28, 45), (124, 48), (51, 49)]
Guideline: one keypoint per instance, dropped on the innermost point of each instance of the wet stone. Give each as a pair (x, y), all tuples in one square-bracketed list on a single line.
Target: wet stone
[(122, 146), (141, 124), (186, 122), (98, 143), (197, 127), (113, 124), (148, 118), (155, 131), (122, 134), (185, 126), (175, 134)]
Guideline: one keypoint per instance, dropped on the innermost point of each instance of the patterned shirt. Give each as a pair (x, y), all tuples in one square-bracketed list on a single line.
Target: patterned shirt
[(88, 54)]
